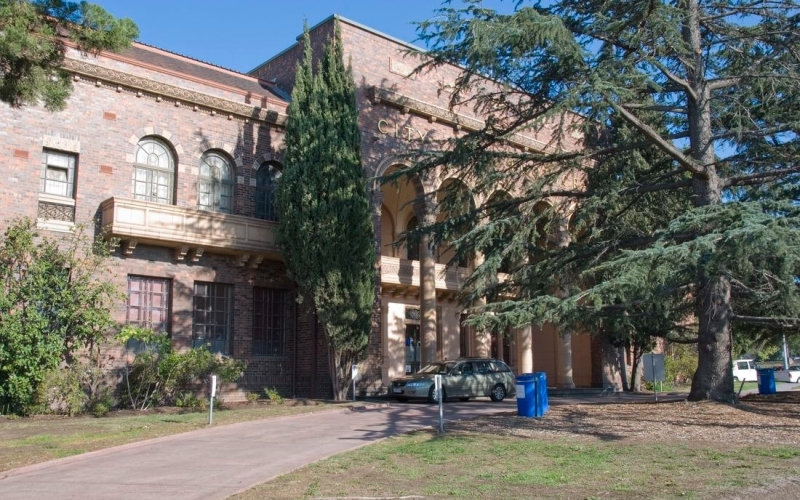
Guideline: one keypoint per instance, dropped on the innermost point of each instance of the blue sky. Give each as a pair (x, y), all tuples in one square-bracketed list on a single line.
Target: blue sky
[(241, 34)]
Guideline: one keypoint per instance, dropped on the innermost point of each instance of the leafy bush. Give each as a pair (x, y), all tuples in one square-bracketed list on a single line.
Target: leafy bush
[(55, 302), (680, 362), (190, 401), (159, 375), (273, 395), (72, 390), (252, 397)]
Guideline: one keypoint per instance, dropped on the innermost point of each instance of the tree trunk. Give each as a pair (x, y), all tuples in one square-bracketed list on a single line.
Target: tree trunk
[(636, 372), (713, 378), (339, 364)]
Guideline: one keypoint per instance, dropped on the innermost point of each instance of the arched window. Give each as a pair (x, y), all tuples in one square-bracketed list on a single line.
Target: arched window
[(215, 190), (412, 244), (153, 171), (266, 185)]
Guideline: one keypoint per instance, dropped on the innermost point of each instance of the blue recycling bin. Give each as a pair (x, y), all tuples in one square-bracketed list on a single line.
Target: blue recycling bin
[(531, 394), (766, 381)]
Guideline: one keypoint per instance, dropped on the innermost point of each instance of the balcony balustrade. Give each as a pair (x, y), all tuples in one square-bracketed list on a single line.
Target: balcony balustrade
[(188, 231)]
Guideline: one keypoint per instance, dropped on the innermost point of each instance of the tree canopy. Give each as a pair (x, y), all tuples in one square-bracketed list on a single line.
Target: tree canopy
[(682, 220), (326, 232), (33, 40)]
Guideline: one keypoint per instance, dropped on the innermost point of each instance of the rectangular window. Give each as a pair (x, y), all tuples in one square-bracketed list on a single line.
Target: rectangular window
[(56, 208), (269, 321), (152, 185), (58, 174), (149, 302), (212, 318)]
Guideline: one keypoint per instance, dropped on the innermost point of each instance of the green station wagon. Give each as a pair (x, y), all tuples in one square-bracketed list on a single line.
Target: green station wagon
[(461, 378)]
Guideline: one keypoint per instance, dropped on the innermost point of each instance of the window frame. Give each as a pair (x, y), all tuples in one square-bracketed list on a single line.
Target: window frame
[(152, 172), (70, 169), (214, 317), (216, 187), (270, 321), (265, 193)]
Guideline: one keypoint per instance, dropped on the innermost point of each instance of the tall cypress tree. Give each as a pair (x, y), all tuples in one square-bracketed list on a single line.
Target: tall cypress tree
[(326, 232)]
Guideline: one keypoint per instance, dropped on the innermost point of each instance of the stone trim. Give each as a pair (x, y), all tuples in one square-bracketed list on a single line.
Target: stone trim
[(212, 105), (438, 114), (268, 158), (61, 144)]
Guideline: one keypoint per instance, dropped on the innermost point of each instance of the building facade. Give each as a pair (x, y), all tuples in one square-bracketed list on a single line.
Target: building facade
[(178, 159)]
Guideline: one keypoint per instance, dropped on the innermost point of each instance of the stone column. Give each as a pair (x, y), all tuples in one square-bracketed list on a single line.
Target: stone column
[(427, 282), (481, 341), (564, 346), (564, 349), (524, 342)]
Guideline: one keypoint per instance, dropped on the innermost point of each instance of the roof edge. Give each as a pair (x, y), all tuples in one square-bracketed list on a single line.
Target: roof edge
[(344, 20)]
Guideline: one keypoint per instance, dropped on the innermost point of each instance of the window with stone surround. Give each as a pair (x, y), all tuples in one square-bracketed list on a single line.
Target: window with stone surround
[(149, 302), (153, 172), (266, 189), (215, 187), (212, 316), (57, 187), (269, 321)]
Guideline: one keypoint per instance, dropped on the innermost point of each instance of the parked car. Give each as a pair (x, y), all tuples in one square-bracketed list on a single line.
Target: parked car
[(791, 375), (462, 378), (745, 369)]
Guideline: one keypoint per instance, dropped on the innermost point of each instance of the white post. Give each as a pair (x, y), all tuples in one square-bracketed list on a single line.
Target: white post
[(354, 371), (785, 353), (211, 399), (440, 394)]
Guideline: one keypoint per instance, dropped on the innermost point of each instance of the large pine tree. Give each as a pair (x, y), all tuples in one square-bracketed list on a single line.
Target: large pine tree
[(32, 46), (325, 231), (722, 79)]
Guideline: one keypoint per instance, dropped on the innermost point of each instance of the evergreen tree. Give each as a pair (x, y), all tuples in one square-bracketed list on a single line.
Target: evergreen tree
[(721, 77), (32, 46), (326, 232)]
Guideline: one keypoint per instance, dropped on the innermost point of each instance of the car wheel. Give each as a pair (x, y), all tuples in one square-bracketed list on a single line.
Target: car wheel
[(735, 379), (498, 393), (464, 399), (432, 395)]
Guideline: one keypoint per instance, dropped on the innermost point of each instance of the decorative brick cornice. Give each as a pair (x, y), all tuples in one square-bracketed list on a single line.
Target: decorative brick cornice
[(438, 114), (177, 94)]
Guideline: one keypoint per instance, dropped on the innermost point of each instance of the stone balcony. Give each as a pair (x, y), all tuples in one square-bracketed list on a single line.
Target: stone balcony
[(189, 232), (401, 277)]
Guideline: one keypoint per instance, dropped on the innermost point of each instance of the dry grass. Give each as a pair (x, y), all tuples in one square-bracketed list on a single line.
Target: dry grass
[(624, 451)]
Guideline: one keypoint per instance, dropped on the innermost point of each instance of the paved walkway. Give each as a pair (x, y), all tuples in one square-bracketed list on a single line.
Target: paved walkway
[(217, 462)]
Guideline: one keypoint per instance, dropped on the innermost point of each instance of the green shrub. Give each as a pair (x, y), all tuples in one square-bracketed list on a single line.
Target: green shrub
[(252, 397), (73, 390), (680, 362), (61, 392), (190, 401), (158, 375), (273, 395)]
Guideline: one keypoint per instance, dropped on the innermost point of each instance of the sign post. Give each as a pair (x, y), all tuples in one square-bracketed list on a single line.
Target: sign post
[(211, 399), (354, 370), (654, 371)]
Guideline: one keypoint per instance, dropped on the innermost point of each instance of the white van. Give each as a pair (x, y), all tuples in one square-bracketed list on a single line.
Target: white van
[(745, 369)]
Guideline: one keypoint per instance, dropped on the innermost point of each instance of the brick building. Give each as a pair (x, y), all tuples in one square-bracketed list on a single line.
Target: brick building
[(179, 158)]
